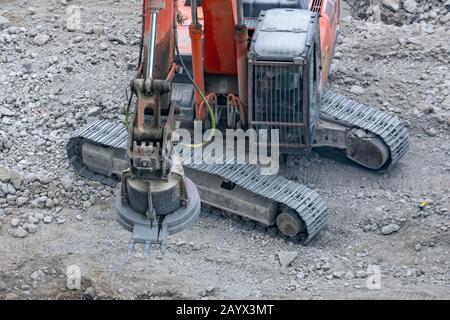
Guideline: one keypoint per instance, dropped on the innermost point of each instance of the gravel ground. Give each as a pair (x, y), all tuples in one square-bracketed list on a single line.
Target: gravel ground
[(54, 79)]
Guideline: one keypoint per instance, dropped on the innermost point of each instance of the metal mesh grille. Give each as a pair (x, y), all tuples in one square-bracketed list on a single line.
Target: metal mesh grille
[(316, 6), (277, 98)]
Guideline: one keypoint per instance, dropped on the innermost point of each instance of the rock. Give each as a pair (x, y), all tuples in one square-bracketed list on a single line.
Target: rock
[(4, 23), (25, 287), (67, 183), (432, 132), (20, 201), (210, 291), (79, 217), (11, 296), (326, 266), (447, 5), (445, 104), (180, 243), (32, 228), (30, 177), (427, 109), (15, 30), (102, 295), (5, 175), (410, 6), (41, 39), (413, 40), (73, 277), (16, 179), (39, 216), (445, 19), (94, 111), (362, 274), (40, 202), (15, 222), (394, 5), (87, 204), (49, 203), (37, 274), (412, 272), (6, 112), (45, 178), (77, 39), (358, 90), (20, 232), (120, 39), (103, 46), (286, 257), (72, 27), (32, 220), (105, 193), (418, 247), (27, 67), (10, 189), (349, 275), (31, 11), (89, 294), (5, 142), (389, 229), (48, 219), (401, 41), (92, 200)]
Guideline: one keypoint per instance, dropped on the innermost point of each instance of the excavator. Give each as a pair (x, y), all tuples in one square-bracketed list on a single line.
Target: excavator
[(230, 64)]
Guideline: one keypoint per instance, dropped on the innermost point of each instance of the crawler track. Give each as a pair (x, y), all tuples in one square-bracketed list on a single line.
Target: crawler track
[(309, 205), (389, 128), (306, 202)]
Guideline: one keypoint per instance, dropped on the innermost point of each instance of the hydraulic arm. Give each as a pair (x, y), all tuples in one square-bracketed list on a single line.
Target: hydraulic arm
[(154, 188)]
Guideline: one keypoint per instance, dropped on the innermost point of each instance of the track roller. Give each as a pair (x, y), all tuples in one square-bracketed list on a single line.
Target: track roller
[(289, 223)]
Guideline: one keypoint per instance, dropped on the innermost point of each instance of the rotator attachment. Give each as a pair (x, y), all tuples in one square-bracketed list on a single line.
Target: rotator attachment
[(155, 199), (152, 210)]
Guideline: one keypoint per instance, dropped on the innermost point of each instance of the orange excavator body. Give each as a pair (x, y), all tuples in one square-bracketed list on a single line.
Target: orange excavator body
[(214, 45), (254, 64), (329, 11), (218, 20)]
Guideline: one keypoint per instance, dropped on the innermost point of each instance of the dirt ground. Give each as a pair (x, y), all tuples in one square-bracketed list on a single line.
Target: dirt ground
[(53, 80)]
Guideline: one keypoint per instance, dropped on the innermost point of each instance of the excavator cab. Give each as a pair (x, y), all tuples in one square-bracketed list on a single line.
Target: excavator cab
[(284, 76)]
